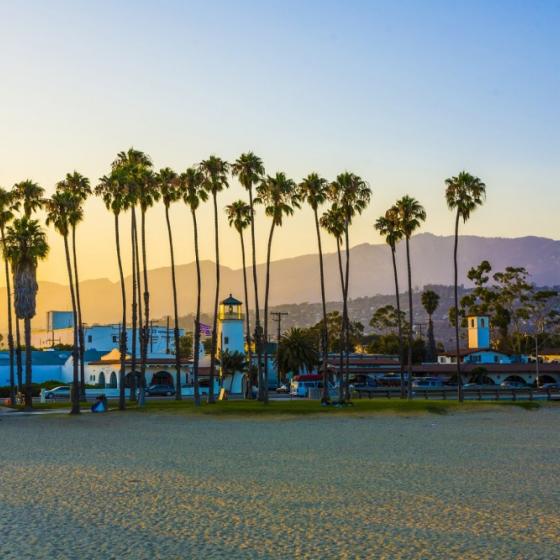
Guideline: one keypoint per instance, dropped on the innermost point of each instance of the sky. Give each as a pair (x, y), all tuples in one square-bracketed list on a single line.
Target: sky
[(403, 93)]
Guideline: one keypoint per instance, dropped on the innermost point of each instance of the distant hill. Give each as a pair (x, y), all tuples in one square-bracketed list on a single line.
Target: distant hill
[(296, 280)]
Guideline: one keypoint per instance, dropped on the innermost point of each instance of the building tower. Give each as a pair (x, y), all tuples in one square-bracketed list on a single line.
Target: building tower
[(479, 332), (230, 326)]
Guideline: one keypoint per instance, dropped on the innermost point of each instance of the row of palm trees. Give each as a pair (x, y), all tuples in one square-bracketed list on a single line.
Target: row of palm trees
[(133, 186)]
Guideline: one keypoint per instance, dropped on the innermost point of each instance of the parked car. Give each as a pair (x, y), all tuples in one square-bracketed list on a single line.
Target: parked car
[(160, 390), (512, 385), (427, 383), (550, 386), (283, 388), (62, 392)]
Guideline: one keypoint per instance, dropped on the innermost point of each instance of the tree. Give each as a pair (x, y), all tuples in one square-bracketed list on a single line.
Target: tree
[(352, 195), (59, 207), (463, 193), (411, 215), (26, 244), (278, 195), (296, 352), (79, 188), (28, 196), (112, 189), (333, 222), (192, 188), (215, 171), (249, 170), (389, 226), (430, 301), (185, 346), (314, 190), (168, 183), (230, 364), (240, 216), (387, 319), (6, 216)]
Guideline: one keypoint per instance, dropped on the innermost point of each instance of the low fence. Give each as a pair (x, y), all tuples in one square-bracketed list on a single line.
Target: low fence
[(491, 393)]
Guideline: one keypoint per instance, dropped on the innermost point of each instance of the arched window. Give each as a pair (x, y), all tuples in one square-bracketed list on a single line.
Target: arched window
[(482, 323), (113, 380), (101, 381)]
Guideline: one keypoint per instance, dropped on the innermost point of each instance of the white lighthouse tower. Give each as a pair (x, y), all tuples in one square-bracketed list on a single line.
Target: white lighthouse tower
[(230, 326)]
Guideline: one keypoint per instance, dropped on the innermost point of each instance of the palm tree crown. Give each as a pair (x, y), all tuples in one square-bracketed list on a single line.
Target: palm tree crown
[(26, 244), (388, 226), (59, 208), (332, 221), (313, 190), (113, 191), (411, 215), (464, 193), (7, 201), (249, 169), (30, 194), (430, 301), (192, 187), (278, 195), (239, 215), (351, 193), (168, 182), (215, 171)]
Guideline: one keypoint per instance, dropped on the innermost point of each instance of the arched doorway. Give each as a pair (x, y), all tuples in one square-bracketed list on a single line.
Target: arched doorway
[(128, 379), (101, 380), (515, 379), (546, 379), (113, 380), (162, 378)]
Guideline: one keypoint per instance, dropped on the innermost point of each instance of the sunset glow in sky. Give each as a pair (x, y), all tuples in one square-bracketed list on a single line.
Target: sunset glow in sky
[(403, 93)]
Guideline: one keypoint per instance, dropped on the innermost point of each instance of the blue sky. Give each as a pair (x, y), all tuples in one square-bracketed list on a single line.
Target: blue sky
[(403, 93)]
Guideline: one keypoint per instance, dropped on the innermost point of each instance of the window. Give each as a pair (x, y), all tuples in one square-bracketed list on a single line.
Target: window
[(90, 338), (115, 338), (472, 323), (226, 339), (482, 323)]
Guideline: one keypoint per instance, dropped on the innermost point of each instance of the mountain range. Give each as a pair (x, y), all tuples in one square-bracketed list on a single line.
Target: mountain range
[(296, 280)]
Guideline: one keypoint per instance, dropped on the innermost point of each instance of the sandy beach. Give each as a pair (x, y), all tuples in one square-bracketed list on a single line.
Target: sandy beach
[(470, 485)]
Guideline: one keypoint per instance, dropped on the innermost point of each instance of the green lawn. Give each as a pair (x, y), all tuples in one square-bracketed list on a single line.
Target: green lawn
[(301, 407)]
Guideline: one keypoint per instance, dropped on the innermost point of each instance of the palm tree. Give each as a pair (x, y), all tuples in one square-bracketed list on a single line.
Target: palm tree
[(134, 164), (314, 190), (79, 187), (192, 188), (112, 189), (279, 196), (249, 170), (230, 364), (388, 226), (59, 207), (29, 195), (168, 182), (352, 194), (411, 215), (463, 193), (215, 171), (430, 301), (26, 244), (296, 352), (333, 222), (6, 216), (239, 216)]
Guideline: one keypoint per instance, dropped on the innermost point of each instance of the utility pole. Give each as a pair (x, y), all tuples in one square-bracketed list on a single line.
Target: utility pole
[(167, 338), (277, 316)]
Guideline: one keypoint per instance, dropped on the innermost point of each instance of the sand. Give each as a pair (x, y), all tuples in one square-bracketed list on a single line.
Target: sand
[(473, 485)]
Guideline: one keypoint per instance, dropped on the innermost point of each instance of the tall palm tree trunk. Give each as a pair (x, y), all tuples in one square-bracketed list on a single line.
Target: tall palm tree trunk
[(216, 297), (347, 319), (134, 307), (146, 329), (10, 325), (258, 345), (122, 337), (81, 348), (139, 300), (341, 342), (410, 320), (247, 320), (75, 366), (266, 293), (19, 364), (324, 331), (399, 322), (28, 361), (178, 395), (197, 320), (456, 299)]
